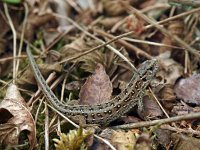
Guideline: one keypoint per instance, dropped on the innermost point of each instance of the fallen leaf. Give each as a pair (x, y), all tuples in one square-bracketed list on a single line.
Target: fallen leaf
[(167, 93), (19, 118), (151, 109), (189, 89), (97, 89), (123, 140), (119, 139)]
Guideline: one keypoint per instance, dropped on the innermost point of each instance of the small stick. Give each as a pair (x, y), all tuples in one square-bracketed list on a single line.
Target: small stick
[(188, 131), (159, 122)]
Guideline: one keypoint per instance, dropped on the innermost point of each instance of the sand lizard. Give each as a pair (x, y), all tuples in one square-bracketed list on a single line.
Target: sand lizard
[(106, 112)]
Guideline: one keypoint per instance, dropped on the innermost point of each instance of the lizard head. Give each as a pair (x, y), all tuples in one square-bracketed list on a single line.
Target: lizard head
[(148, 69)]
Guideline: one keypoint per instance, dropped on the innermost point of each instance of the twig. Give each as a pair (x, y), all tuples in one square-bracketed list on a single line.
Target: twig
[(12, 58), (14, 40), (61, 98), (150, 43), (155, 7), (175, 129), (159, 122), (38, 109)]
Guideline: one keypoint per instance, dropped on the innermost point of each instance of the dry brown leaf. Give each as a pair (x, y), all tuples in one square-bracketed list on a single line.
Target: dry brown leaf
[(151, 109), (123, 140), (19, 119), (189, 89), (97, 89), (167, 93)]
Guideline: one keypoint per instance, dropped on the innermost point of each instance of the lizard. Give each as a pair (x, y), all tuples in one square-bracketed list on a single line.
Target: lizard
[(103, 113)]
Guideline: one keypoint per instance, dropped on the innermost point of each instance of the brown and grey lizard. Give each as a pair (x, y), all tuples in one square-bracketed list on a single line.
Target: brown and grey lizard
[(106, 112)]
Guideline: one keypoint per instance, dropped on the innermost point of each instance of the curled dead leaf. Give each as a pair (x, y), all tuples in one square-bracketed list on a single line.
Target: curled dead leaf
[(19, 119)]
